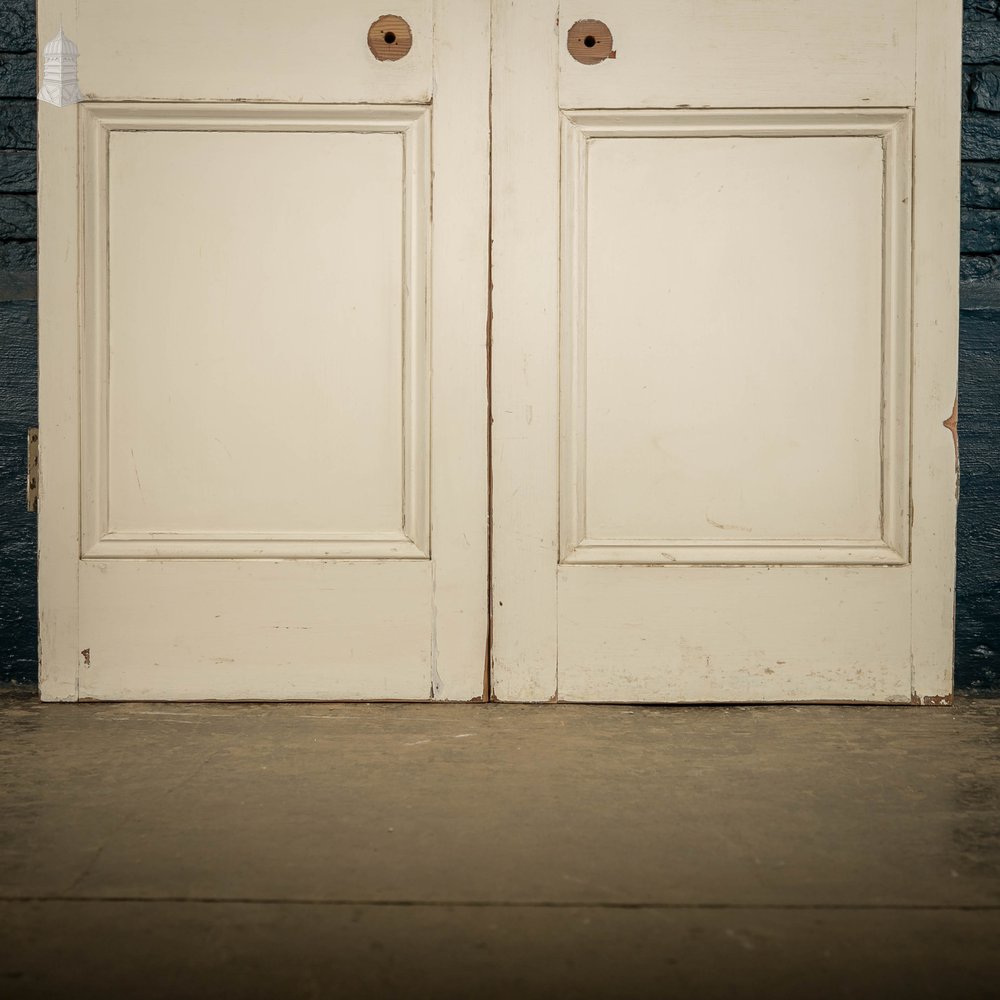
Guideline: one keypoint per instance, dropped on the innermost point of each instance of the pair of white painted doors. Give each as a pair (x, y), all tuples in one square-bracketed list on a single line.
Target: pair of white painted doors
[(489, 369)]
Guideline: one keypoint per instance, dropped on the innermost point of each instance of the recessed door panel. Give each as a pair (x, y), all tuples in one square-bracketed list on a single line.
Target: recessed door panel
[(794, 340), (279, 405), (759, 421)]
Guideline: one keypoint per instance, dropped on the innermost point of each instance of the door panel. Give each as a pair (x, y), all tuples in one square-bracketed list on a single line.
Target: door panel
[(745, 54), (647, 371), (300, 51), (182, 199), (733, 634), (257, 482), (717, 475), (683, 406), (237, 628)]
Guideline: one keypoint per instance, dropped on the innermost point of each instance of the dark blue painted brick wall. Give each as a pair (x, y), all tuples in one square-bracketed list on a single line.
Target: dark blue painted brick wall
[(977, 613), (18, 353), (978, 618)]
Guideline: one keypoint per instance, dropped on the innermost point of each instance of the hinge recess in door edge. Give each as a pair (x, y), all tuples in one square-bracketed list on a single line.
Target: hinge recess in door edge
[(32, 478)]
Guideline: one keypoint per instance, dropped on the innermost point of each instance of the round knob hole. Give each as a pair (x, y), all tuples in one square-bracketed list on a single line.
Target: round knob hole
[(390, 38), (590, 42)]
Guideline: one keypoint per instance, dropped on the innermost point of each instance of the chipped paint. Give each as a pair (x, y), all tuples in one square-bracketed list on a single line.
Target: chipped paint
[(952, 425), (85, 653), (932, 699)]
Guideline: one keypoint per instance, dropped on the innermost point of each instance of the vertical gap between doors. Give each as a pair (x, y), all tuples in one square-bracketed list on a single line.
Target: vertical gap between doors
[(488, 664)]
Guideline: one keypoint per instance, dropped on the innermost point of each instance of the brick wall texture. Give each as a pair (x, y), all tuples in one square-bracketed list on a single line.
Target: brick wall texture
[(977, 611), (18, 338)]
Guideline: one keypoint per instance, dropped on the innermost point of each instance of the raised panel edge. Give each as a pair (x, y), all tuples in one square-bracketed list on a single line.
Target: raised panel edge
[(894, 127), (97, 122)]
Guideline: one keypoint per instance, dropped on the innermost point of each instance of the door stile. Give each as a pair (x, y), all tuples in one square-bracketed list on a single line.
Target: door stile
[(525, 218), (937, 165), (59, 652), (460, 501)]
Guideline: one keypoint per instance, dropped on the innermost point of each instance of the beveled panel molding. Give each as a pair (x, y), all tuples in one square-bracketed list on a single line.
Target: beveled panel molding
[(893, 128), (98, 121)]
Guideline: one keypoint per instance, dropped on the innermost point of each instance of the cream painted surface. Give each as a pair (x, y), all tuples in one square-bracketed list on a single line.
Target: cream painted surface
[(745, 54), (224, 50), (323, 312), (720, 398), (247, 442), (229, 628), (935, 332), (778, 633), (684, 426)]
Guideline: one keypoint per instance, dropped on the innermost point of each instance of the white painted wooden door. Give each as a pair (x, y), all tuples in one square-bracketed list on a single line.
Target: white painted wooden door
[(263, 359), (724, 349)]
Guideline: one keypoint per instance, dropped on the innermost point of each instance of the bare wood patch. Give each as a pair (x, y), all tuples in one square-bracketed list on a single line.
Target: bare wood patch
[(952, 424), (590, 42), (390, 38), (939, 700)]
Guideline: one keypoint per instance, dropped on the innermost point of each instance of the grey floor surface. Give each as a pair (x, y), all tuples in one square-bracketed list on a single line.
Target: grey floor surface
[(493, 851)]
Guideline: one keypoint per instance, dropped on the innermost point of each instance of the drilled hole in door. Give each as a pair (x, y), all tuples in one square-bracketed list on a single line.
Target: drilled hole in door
[(590, 42), (390, 38)]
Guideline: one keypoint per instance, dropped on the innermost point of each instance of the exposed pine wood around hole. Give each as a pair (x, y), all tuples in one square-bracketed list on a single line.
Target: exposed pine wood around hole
[(390, 38), (590, 42)]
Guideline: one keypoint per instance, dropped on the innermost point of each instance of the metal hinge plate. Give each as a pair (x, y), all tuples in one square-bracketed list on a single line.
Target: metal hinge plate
[(32, 469)]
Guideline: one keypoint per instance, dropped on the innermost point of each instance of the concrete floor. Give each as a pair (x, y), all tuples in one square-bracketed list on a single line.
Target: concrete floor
[(494, 851)]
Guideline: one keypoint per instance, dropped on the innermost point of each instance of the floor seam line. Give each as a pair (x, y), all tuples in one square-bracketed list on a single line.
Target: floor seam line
[(508, 904)]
